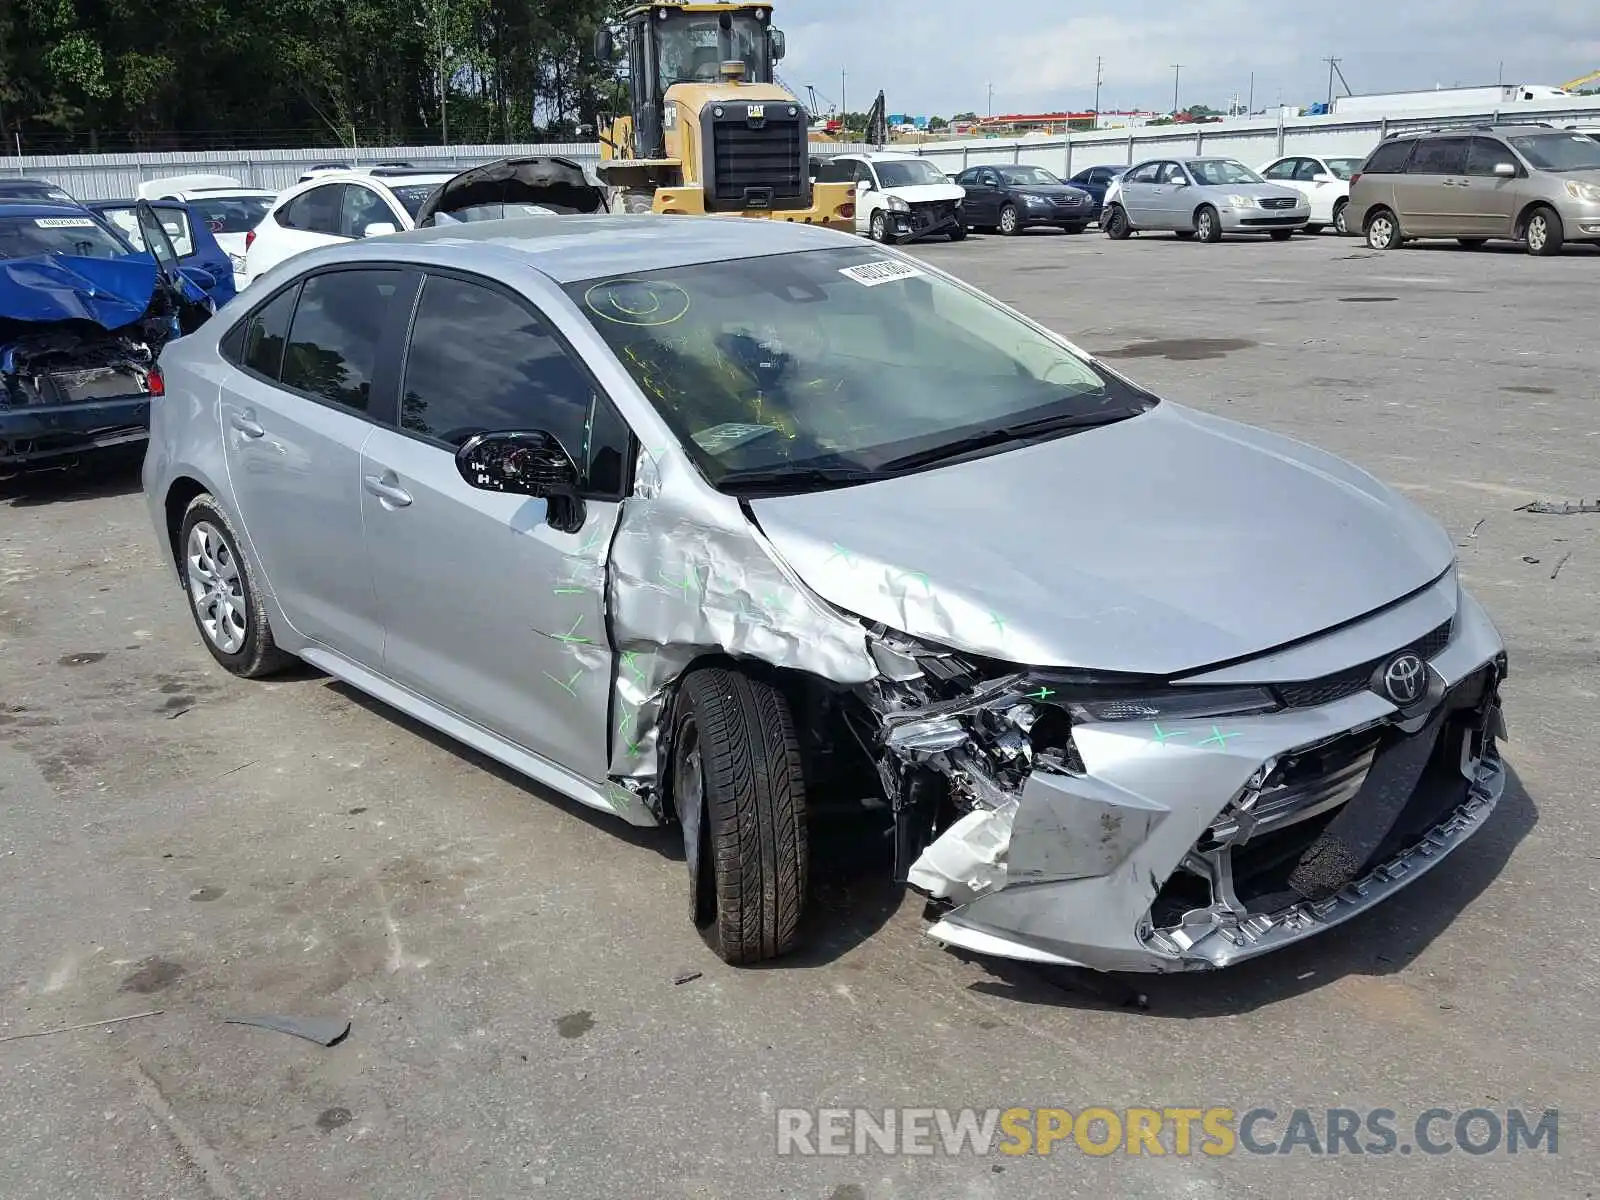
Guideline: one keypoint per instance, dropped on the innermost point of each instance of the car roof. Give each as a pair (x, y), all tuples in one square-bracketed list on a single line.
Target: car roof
[(577, 247), (41, 208), (13, 181)]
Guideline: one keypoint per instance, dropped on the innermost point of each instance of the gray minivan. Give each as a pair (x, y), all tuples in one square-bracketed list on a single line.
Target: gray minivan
[(1527, 183)]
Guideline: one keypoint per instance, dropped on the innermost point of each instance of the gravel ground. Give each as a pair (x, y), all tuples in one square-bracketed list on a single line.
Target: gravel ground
[(174, 839)]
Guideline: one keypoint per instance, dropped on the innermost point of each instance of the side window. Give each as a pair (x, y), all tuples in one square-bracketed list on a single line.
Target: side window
[(1173, 173), (316, 211), (1307, 169), (176, 222), (1388, 159), (481, 362), (967, 178), (1280, 170), (835, 170), (1440, 156), (262, 335), (362, 207), (1145, 174), (1484, 153), (864, 175), (333, 343)]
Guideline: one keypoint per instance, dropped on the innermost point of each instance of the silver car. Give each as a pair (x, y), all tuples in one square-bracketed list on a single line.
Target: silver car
[(735, 524), (1201, 197)]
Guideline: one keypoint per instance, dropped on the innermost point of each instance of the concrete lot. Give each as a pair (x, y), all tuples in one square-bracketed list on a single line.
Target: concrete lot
[(175, 839)]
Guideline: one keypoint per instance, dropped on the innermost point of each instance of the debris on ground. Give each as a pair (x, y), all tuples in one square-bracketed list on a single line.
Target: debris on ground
[(325, 1031), (1529, 559), (1561, 508), (17, 1037), (1561, 564), (686, 977)]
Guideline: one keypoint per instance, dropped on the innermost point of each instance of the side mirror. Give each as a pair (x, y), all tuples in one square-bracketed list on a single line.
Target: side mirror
[(379, 229), (863, 185), (779, 45), (604, 48), (1505, 170), (534, 463)]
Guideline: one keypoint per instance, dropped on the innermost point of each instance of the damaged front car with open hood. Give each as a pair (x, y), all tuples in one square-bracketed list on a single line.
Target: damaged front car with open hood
[(1121, 684), (82, 321)]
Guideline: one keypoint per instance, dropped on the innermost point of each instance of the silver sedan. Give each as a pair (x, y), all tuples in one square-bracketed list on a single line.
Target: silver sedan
[(734, 525), (1201, 197)]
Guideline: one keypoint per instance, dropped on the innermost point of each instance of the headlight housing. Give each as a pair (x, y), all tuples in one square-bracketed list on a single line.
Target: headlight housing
[(1173, 704), (1034, 201), (1241, 201), (895, 204), (1579, 190)]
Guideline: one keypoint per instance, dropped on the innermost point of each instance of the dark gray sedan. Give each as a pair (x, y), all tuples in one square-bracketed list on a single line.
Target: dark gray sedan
[(1013, 198)]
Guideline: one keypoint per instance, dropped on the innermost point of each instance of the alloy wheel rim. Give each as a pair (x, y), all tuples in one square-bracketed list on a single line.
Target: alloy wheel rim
[(879, 226), (1382, 232), (1537, 233), (1008, 221), (1205, 225), (216, 588)]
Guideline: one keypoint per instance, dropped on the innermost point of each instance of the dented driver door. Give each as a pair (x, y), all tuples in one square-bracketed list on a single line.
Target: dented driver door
[(488, 610)]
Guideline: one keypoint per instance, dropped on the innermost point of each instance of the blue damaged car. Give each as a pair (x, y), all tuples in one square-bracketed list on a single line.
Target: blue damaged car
[(83, 318)]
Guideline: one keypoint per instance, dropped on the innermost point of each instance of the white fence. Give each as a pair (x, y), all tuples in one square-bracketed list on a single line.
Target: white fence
[(1253, 141)]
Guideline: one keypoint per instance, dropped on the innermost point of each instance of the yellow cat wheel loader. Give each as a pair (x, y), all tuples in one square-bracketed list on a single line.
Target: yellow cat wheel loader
[(710, 131)]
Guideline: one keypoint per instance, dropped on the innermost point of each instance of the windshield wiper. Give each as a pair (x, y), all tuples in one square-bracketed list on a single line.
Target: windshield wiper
[(798, 479), (1000, 435)]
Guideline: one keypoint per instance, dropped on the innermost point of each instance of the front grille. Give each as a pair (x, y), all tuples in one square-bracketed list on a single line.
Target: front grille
[(768, 160), (927, 216), (1071, 201), (1312, 692), (1279, 202)]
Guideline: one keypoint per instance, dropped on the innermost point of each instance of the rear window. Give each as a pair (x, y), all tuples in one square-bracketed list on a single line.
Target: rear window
[(231, 214), (413, 195), (1388, 159)]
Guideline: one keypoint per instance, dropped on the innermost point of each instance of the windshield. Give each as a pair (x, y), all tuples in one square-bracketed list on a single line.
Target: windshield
[(23, 237), (414, 195), (1344, 168), (231, 214), (912, 172), (1027, 176), (176, 223), (834, 359), (1559, 151), (692, 48), (1219, 172)]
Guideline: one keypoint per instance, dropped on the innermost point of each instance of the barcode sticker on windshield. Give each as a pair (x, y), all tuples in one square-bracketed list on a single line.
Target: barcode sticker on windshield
[(63, 222), (886, 271)]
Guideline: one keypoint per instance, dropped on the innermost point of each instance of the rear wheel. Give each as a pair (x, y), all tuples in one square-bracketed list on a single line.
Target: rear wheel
[(1116, 223), (1010, 221), (1073, 228), (1282, 235), (1339, 225), (1544, 234), (738, 785), (1208, 224), (1383, 230), (223, 597)]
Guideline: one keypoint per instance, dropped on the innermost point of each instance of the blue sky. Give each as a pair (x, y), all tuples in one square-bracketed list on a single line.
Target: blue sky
[(939, 56)]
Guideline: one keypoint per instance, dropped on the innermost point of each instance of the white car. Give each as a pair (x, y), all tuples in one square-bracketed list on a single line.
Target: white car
[(229, 210), (1325, 182), (899, 197), (336, 208)]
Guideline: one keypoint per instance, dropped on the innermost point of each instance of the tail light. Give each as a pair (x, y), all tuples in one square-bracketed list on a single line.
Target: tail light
[(250, 239), (1354, 179), (847, 210), (154, 383)]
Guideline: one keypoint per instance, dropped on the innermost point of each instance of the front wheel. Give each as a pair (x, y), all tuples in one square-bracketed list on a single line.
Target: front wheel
[(1073, 228), (1282, 235), (1116, 223), (1311, 229), (880, 227), (958, 234), (1544, 234), (1010, 221), (739, 790), (1208, 224)]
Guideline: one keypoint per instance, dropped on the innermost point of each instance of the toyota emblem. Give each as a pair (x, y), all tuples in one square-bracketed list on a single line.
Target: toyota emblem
[(1405, 679)]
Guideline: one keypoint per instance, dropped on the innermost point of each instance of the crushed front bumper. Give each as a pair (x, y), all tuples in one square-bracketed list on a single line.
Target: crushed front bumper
[(35, 434), (925, 220), (1201, 844)]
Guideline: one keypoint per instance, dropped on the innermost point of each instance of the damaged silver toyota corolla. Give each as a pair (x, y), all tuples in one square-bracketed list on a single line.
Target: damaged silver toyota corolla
[(737, 523)]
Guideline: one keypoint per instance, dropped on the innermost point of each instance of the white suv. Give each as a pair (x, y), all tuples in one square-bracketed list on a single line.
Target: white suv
[(337, 208), (899, 197)]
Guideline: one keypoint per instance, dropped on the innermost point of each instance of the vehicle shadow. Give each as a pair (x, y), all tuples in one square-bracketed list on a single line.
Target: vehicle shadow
[(1384, 941), (851, 894), (104, 474)]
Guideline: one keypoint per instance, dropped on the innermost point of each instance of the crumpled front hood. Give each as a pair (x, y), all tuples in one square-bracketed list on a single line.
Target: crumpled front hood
[(111, 292), (1159, 545)]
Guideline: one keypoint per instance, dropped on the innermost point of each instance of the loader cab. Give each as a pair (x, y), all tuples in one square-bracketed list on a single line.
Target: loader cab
[(708, 45)]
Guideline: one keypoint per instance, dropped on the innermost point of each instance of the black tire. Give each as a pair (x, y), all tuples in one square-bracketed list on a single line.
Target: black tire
[(1207, 224), (258, 655), (1010, 220), (736, 763), (1311, 229), (1116, 224), (639, 200), (958, 234), (1340, 225), (1184, 235), (1074, 228), (1383, 230), (1281, 235), (1543, 233), (1472, 243), (880, 227)]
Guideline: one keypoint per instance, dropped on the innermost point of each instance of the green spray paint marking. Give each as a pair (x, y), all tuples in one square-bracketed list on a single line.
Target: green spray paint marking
[(1219, 737), (630, 662), (570, 637), (839, 551), (775, 603), (919, 576), (619, 795), (998, 622), (594, 540), (1043, 693), (628, 730), (567, 686), (572, 591), (690, 582), (1164, 736)]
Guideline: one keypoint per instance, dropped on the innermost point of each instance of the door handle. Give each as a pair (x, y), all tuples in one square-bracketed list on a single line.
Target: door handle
[(389, 493), (245, 423)]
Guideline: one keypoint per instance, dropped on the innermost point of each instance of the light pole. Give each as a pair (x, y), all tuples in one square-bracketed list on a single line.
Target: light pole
[(1097, 62), (444, 94), (991, 100), (1176, 68)]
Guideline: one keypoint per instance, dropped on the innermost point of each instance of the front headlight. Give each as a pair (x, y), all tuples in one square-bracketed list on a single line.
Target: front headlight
[(1034, 201), (1579, 190), (1175, 704), (1241, 201), (895, 204)]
